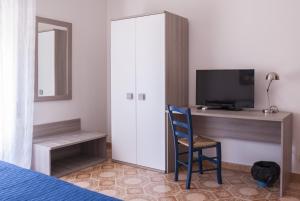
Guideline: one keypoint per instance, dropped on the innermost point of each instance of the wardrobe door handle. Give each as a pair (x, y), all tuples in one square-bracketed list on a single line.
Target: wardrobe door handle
[(142, 97), (129, 96)]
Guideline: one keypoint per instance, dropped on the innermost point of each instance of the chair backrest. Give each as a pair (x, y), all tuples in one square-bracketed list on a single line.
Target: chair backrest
[(181, 122)]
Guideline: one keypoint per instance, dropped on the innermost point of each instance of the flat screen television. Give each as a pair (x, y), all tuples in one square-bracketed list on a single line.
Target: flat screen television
[(225, 89)]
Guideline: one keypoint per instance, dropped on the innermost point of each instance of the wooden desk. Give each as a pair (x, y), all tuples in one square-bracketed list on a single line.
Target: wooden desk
[(245, 125)]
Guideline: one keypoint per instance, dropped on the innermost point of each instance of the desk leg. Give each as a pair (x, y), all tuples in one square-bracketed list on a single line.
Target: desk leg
[(286, 153)]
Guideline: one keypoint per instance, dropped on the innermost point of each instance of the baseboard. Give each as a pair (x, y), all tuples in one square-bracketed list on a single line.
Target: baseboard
[(139, 166), (237, 167), (295, 177), (231, 166)]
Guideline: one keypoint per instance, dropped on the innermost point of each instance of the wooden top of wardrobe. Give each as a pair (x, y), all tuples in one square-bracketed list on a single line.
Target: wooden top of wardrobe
[(146, 14)]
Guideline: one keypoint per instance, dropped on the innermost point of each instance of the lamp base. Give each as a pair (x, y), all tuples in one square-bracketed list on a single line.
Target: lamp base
[(271, 109)]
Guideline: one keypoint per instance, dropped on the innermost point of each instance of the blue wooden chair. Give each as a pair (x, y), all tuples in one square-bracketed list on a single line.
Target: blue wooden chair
[(181, 121)]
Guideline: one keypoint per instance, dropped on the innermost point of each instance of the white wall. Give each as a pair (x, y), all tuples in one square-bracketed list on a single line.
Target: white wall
[(89, 63), (260, 34)]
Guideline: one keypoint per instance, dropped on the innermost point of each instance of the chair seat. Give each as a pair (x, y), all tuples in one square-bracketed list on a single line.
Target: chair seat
[(198, 142)]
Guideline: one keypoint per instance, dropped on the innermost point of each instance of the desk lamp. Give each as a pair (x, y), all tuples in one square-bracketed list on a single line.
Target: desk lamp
[(270, 77)]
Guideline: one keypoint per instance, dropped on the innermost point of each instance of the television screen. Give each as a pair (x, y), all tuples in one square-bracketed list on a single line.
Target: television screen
[(225, 88)]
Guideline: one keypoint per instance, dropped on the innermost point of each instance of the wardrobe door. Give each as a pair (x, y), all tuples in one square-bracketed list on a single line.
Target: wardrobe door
[(150, 85), (123, 100)]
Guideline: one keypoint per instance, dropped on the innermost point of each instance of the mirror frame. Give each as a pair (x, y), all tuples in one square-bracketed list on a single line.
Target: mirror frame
[(67, 96)]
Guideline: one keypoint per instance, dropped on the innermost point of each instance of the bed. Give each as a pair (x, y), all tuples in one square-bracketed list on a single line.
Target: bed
[(20, 184)]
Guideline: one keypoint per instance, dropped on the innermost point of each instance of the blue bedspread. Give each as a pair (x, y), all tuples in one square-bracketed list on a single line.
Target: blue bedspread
[(20, 184)]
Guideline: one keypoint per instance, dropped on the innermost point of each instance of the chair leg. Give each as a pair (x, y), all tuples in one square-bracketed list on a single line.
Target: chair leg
[(176, 162), (219, 163), (200, 164), (190, 169)]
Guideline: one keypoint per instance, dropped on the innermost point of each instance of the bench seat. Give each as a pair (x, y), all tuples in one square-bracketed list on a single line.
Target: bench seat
[(60, 148)]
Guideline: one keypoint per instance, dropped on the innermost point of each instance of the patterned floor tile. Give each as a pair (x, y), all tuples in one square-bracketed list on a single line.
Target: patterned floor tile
[(107, 182), (112, 191), (130, 183), (130, 172), (196, 195), (288, 198), (107, 173), (182, 185), (89, 184), (139, 198), (137, 190), (212, 184), (169, 198), (161, 189), (222, 194), (250, 192), (133, 181)]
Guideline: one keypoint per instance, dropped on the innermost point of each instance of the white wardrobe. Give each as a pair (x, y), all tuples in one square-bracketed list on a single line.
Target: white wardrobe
[(149, 69)]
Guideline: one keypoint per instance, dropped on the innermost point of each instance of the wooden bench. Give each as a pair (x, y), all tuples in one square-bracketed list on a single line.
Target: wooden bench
[(62, 147)]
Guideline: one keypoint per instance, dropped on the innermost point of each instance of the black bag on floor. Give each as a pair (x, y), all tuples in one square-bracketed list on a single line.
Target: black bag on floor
[(266, 172)]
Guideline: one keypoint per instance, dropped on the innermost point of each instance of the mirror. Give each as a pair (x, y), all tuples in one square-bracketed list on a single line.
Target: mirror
[(53, 63)]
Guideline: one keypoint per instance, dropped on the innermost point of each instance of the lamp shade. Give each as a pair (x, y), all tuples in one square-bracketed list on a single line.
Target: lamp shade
[(272, 76)]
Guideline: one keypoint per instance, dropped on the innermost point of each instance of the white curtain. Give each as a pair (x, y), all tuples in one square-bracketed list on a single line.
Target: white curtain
[(17, 49)]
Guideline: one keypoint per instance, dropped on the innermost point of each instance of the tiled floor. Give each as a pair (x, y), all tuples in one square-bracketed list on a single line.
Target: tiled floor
[(137, 184)]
